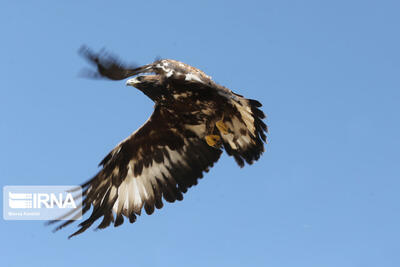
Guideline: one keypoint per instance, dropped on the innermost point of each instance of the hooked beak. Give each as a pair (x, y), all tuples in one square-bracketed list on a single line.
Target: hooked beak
[(132, 82)]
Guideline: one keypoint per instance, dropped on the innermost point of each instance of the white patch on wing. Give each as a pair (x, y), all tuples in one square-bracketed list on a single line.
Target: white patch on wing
[(247, 116), (236, 138), (176, 157), (133, 192), (193, 77), (121, 200), (246, 139), (113, 192), (128, 194), (230, 137), (137, 200), (199, 129)]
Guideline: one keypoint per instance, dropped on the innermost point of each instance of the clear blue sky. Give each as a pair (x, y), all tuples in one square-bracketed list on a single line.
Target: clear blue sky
[(326, 191)]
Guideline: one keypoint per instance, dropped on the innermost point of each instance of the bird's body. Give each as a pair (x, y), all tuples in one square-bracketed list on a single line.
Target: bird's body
[(193, 119)]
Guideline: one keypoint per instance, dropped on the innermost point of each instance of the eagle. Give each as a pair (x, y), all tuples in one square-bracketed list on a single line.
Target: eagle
[(194, 120)]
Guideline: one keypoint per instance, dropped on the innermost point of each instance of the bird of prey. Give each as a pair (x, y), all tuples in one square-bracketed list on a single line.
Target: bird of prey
[(194, 120)]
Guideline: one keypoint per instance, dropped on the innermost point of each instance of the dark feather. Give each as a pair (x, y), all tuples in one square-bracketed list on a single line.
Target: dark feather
[(169, 153)]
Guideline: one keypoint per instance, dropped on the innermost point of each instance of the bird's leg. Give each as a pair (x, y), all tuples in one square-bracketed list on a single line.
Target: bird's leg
[(212, 139), (222, 126)]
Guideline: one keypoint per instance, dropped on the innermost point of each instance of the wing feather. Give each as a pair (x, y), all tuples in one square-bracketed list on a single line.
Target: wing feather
[(246, 132), (156, 162), (166, 156)]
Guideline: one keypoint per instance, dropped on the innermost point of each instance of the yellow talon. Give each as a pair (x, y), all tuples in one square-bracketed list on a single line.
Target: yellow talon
[(222, 127), (213, 140)]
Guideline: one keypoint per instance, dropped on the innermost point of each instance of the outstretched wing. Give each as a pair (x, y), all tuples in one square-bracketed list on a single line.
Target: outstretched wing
[(245, 130), (108, 66), (160, 160), (239, 120)]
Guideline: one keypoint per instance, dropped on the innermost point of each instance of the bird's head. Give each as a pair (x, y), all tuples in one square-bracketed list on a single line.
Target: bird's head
[(150, 85)]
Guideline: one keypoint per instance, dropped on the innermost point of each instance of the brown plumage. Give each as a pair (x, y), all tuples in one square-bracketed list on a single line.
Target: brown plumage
[(194, 119)]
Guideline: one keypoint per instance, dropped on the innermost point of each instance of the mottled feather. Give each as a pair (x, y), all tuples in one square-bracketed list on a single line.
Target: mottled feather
[(169, 153)]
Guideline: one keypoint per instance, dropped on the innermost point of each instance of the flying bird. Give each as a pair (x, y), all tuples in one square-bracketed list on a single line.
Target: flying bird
[(194, 120)]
